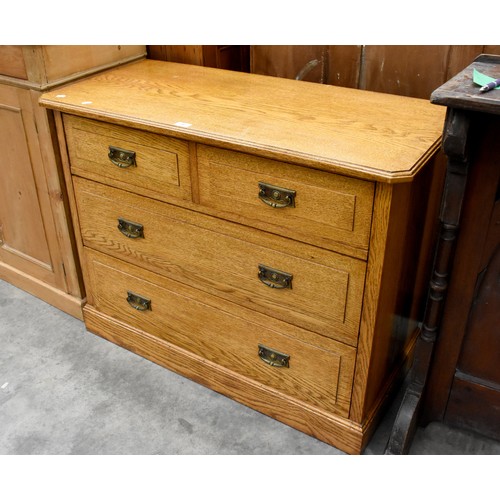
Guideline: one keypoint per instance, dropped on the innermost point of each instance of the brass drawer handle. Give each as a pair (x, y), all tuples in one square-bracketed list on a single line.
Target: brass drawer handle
[(274, 278), (276, 197), (130, 229), (274, 358), (121, 157), (138, 302)]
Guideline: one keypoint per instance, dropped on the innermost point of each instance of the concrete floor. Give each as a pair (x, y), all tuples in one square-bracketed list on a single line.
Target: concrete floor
[(64, 391)]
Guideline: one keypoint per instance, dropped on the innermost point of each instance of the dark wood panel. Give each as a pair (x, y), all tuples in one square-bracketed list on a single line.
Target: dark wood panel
[(415, 70), (330, 64), (476, 216), (409, 70), (460, 56), (230, 57), (188, 54), (344, 64), (480, 354), (474, 406), (288, 61)]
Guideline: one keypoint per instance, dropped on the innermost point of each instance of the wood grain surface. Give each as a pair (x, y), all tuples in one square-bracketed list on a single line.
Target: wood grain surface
[(223, 333), (223, 259), (364, 134), (332, 211), (161, 163), (351, 242)]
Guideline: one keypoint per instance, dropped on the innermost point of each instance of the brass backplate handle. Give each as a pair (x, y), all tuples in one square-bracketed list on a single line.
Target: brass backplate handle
[(273, 358), (122, 158), (274, 278), (138, 301), (276, 197), (130, 229)]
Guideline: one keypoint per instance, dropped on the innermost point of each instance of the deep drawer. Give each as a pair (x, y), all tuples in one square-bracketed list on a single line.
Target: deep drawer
[(325, 291), (328, 210), (147, 163), (223, 333)]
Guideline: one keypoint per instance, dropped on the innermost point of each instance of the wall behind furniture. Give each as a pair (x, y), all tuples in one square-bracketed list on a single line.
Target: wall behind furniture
[(410, 70), (232, 57)]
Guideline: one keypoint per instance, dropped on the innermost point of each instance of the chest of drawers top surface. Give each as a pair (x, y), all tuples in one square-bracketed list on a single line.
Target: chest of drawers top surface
[(364, 134)]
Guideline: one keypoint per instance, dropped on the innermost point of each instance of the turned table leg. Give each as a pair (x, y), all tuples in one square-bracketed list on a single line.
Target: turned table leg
[(455, 146)]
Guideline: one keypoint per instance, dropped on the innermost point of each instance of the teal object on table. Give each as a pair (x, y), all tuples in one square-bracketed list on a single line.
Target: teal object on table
[(481, 79)]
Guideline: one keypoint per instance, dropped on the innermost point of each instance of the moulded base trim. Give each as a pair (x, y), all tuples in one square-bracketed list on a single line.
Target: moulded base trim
[(331, 429)]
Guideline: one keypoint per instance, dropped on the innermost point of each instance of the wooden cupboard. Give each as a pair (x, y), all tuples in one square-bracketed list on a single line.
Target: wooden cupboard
[(36, 243)]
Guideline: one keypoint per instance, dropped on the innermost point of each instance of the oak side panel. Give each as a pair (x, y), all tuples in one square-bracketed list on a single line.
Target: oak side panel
[(404, 231), (372, 296)]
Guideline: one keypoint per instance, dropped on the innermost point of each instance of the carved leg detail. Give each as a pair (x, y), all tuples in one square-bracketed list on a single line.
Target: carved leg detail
[(455, 147)]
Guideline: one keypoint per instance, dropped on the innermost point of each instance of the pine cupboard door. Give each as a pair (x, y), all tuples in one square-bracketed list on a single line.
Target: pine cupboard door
[(35, 246)]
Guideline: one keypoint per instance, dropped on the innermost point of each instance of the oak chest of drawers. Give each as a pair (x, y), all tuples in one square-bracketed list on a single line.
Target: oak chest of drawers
[(265, 237)]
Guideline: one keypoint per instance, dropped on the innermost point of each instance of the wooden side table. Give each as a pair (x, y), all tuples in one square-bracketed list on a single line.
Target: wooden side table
[(456, 374)]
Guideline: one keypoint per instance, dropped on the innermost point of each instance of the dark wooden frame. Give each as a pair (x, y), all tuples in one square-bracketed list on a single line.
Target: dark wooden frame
[(464, 102)]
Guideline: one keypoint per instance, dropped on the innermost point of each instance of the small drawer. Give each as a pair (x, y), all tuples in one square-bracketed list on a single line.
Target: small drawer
[(310, 287), (148, 163), (218, 331), (328, 210)]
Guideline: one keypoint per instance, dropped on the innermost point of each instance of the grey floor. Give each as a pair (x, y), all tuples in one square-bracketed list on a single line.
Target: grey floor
[(64, 391)]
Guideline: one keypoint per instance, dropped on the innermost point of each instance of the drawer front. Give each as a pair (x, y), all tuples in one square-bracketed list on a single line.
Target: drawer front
[(328, 210), (147, 163), (324, 292), (223, 333)]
